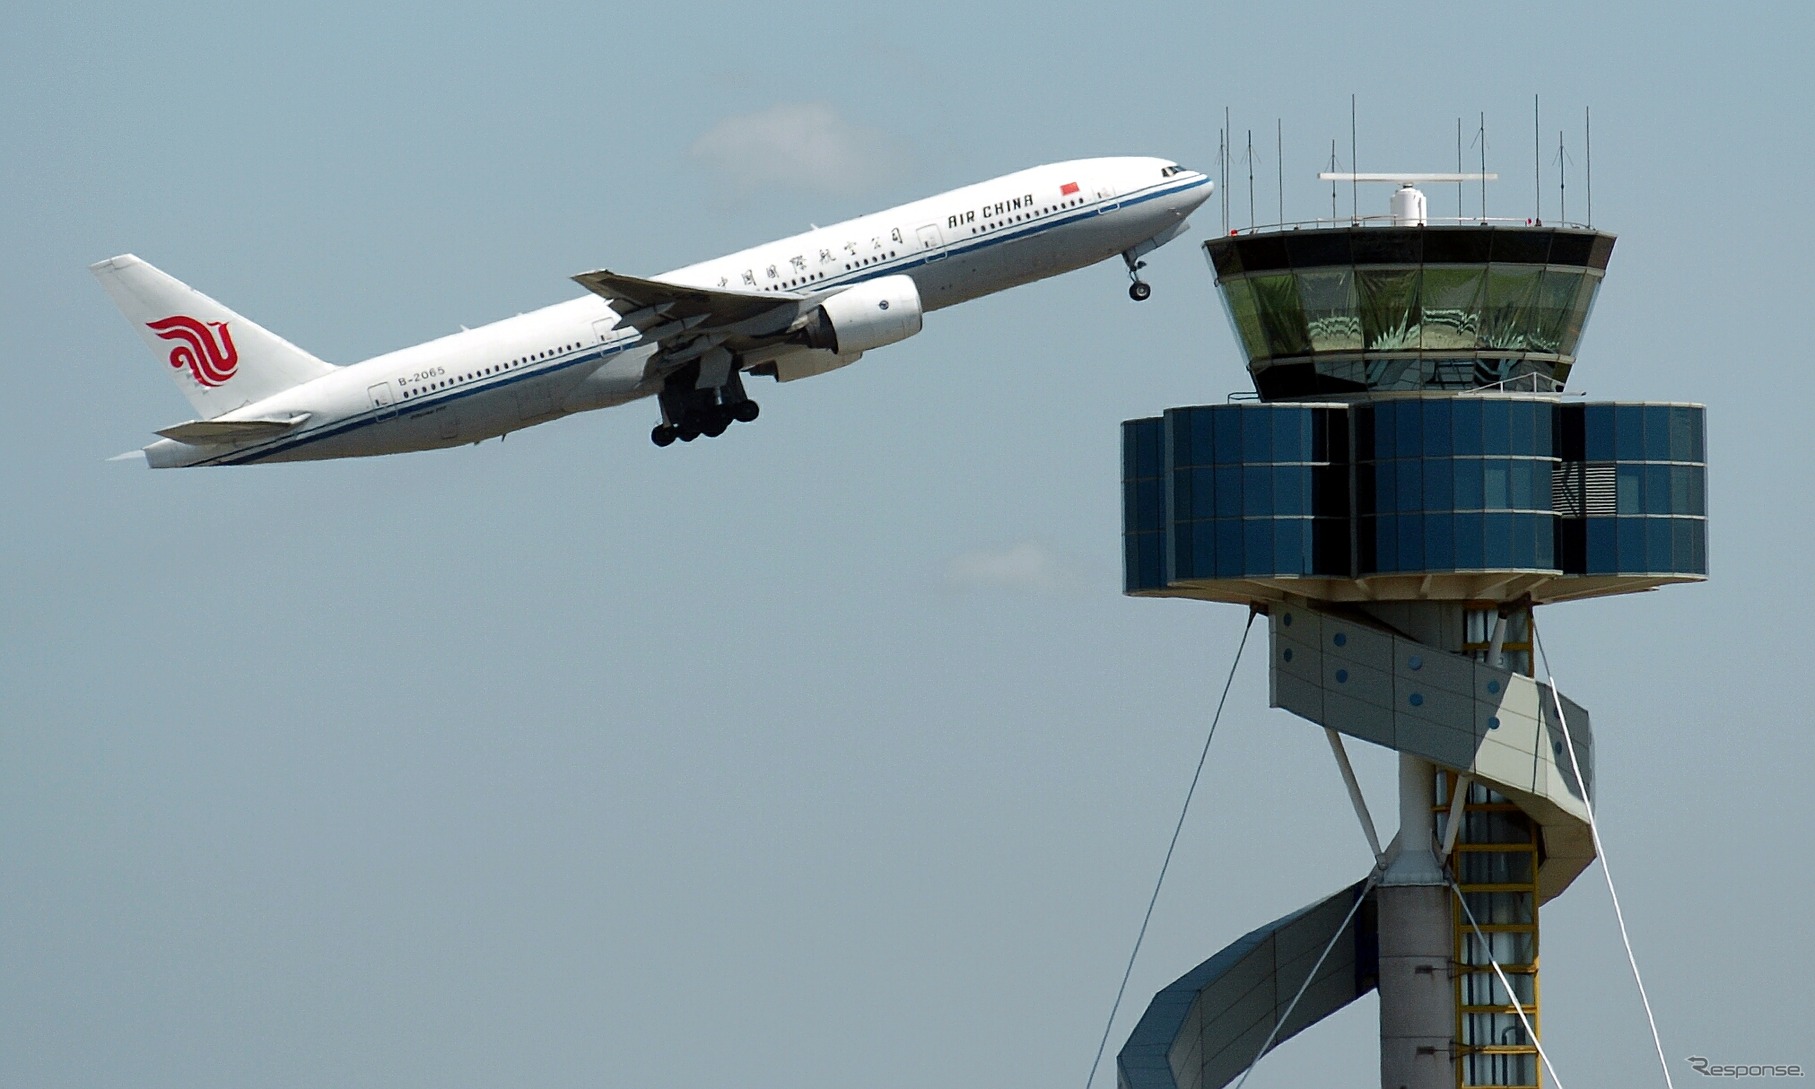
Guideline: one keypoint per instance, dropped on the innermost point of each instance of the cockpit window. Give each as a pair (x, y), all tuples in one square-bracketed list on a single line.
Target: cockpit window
[(1169, 171)]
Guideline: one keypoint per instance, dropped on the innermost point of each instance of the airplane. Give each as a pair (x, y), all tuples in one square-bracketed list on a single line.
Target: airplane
[(786, 310)]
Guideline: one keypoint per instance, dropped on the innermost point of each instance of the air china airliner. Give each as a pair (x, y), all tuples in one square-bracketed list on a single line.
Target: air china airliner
[(786, 310)]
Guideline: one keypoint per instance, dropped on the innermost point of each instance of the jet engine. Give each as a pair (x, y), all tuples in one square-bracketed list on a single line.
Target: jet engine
[(864, 316)]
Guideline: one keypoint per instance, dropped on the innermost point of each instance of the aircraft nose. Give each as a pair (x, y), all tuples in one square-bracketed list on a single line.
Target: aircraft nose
[(1200, 191)]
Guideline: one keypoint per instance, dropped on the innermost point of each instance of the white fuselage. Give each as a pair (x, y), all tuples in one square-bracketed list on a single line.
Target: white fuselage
[(577, 355)]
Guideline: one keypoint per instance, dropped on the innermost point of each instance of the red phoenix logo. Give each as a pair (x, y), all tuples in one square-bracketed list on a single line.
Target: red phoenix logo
[(205, 348)]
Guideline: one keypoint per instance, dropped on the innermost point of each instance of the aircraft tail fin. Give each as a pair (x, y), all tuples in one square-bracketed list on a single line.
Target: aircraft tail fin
[(220, 360)]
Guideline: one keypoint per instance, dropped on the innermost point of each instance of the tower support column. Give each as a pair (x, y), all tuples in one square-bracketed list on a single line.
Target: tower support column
[(1417, 997)]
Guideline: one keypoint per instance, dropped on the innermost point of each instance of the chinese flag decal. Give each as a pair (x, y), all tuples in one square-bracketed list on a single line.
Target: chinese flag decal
[(1068, 189)]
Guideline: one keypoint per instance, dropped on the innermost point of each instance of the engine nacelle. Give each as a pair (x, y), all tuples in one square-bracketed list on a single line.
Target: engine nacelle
[(865, 316)]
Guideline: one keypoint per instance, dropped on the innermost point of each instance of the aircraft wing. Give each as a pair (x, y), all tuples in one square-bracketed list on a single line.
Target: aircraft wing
[(651, 304)]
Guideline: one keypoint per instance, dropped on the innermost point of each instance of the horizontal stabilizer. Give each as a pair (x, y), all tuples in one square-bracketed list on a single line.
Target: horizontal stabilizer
[(222, 432)]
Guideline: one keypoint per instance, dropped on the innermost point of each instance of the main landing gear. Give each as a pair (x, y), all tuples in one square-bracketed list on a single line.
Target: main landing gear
[(1140, 290), (710, 422), (692, 406)]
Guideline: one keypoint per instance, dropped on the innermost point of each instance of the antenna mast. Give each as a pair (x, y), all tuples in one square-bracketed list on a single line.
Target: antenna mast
[(1250, 178), (1354, 162), (1562, 182), (1537, 163), (1588, 153), (1483, 135)]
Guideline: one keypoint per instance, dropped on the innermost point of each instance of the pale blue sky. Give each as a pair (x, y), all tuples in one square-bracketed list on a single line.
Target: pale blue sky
[(826, 753)]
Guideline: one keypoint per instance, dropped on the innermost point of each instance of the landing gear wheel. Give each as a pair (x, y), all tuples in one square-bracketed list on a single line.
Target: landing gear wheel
[(687, 432), (715, 423), (745, 411), (662, 435), (1140, 290)]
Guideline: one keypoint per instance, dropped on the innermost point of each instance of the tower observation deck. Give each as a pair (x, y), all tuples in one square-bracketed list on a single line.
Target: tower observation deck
[(1409, 484)]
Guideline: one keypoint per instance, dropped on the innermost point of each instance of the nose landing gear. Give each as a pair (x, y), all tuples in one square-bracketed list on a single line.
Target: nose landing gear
[(1140, 290)]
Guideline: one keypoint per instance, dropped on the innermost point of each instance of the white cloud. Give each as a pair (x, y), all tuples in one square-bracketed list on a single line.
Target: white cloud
[(1026, 568), (797, 146)]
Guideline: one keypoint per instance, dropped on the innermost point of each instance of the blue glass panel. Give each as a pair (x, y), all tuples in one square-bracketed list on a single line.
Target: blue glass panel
[(1409, 496), (1682, 547), (1496, 427), (1658, 545), (1698, 445), (1203, 551), (1227, 436), (1199, 435), (1468, 484), (1602, 556), (1629, 432), (1376, 433), (1543, 432), (1629, 490), (1228, 491), (1686, 489), (1408, 429), (1292, 490), (1466, 426), (1257, 546), (1629, 541), (1657, 432), (1141, 440), (1690, 540), (1498, 542), (1292, 546), (1543, 477), (1228, 547), (1658, 492), (1518, 427), (1150, 500), (1386, 543), (1597, 432), (1291, 434), (1436, 428), (1683, 435), (1544, 540), (1439, 485), (1203, 494), (1470, 529), (1143, 505), (1257, 436), (1153, 557), (1257, 490), (1439, 542), (1386, 485), (1495, 481), (1329, 427), (1518, 484), (1411, 543)]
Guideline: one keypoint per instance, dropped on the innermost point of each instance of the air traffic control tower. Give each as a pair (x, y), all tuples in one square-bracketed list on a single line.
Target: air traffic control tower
[(1409, 485)]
